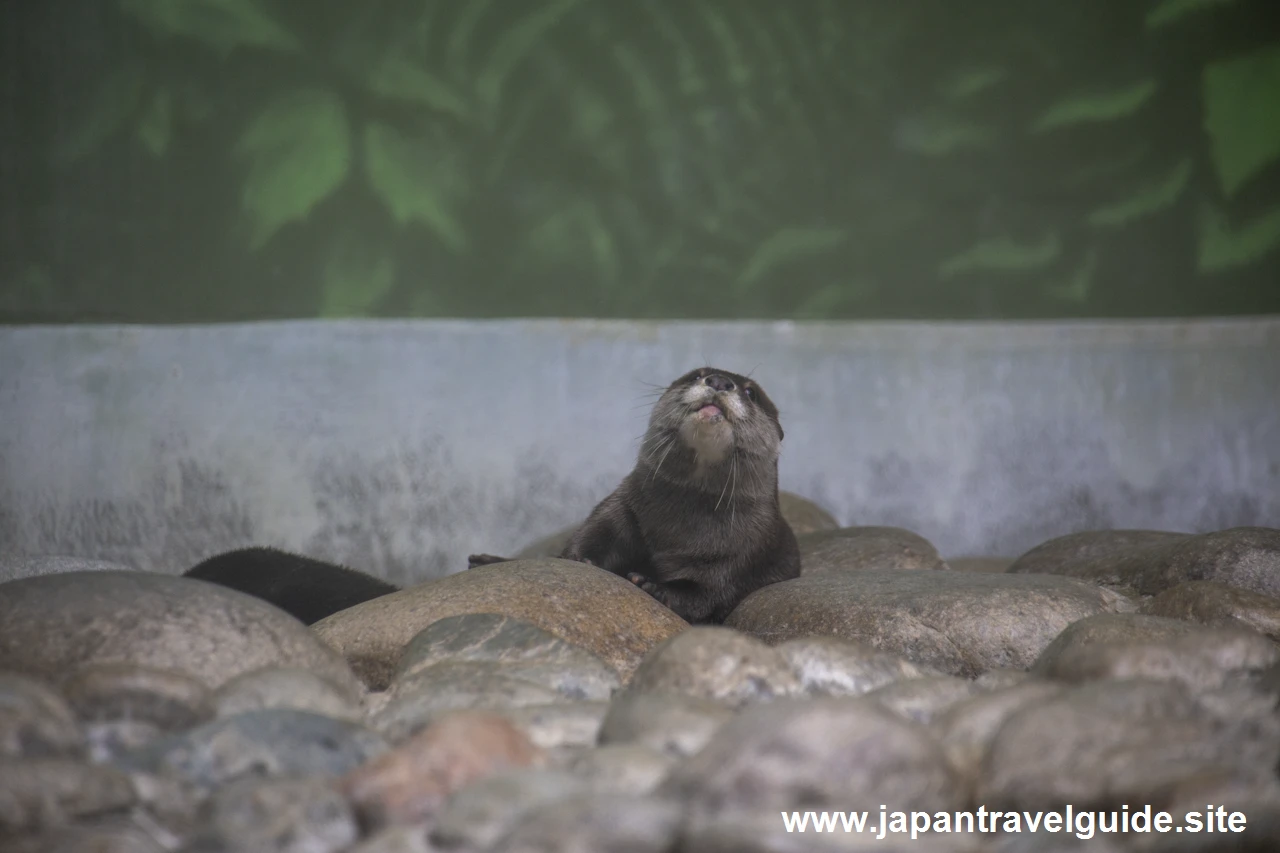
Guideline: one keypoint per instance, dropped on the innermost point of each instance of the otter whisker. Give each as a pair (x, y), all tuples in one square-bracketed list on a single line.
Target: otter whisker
[(727, 477), (670, 444), (733, 472)]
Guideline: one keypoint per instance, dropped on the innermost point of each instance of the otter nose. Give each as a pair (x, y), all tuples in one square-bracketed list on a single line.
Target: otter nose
[(719, 383)]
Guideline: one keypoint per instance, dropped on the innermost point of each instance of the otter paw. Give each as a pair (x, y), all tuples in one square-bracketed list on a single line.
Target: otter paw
[(656, 590)]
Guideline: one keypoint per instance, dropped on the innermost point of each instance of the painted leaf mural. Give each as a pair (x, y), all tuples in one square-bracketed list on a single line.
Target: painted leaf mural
[(668, 158)]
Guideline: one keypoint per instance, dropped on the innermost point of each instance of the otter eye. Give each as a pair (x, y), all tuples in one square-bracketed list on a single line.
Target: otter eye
[(750, 392)]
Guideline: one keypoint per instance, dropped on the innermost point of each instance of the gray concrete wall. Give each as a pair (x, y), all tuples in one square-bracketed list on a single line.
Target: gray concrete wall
[(399, 447)]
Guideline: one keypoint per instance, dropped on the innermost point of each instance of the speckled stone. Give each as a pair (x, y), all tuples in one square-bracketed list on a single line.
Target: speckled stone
[(961, 623), (53, 624), (584, 606), (856, 549), (1242, 557)]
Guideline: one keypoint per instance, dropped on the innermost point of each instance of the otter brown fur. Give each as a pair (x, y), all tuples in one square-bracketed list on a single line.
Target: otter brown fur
[(697, 523)]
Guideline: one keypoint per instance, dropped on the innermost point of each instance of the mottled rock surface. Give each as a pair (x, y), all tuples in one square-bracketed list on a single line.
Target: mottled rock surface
[(519, 648), (961, 623), (14, 567), (827, 666), (675, 724), (844, 753), (1130, 645), (716, 663), (595, 824), (1118, 742), (921, 699), (410, 782), (1217, 605), (1149, 562), (856, 549), (584, 606), (53, 624), (277, 742)]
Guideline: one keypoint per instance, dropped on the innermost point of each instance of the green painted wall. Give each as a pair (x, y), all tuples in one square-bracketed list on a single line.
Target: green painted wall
[(216, 160)]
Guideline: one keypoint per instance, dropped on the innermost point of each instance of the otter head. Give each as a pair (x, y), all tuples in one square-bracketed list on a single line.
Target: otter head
[(712, 417)]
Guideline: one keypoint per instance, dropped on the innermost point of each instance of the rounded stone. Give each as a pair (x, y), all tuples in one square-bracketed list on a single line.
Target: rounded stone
[(110, 692), (828, 666), (14, 567), (804, 515), (584, 606), (1242, 557), (857, 549), (716, 663), (671, 723), (53, 624), (1218, 606), (36, 721), (960, 623), (1062, 555), (285, 687), (845, 753)]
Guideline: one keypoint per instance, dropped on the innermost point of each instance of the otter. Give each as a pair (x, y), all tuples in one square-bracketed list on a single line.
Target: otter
[(697, 523), (305, 588)]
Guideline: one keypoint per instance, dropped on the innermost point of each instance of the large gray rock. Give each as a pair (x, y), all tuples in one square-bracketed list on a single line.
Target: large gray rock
[(521, 649), (307, 815), (482, 812), (44, 793), (1218, 605), (967, 728), (1109, 743), (921, 699), (671, 723), (272, 743), (1065, 554), (716, 663), (36, 721), (827, 666), (599, 823), (856, 549), (15, 566), (962, 623), (1130, 645), (844, 753), (1151, 562), (430, 693), (632, 769), (584, 606), (559, 724), (53, 624)]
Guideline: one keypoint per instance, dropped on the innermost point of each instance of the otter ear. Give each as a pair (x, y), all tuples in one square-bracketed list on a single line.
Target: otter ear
[(781, 434)]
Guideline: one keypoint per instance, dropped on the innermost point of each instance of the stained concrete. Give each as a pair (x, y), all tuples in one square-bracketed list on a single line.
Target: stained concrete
[(400, 446)]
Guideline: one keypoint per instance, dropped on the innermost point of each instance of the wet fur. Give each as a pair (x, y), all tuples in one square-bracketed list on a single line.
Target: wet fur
[(699, 531), (308, 589)]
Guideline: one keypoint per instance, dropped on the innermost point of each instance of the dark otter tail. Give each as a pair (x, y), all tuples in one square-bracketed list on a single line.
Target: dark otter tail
[(306, 588), (485, 560)]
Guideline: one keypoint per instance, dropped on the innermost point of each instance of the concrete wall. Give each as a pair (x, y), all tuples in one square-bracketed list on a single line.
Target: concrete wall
[(399, 447)]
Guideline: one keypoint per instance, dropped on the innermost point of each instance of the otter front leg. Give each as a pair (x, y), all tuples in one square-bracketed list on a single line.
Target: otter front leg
[(690, 602)]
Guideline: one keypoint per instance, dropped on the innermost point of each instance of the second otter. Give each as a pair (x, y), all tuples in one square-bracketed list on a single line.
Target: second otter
[(697, 523)]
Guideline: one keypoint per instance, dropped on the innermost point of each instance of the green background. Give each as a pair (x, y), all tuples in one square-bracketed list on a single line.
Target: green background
[(217, 160)]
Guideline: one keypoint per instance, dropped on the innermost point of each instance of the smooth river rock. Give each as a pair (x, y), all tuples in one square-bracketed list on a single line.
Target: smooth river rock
[(1217, 605), (961, 623), (1150, 562), (1131, 645), (856, 549), (713, 662), (53, 624), (584, 606)]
